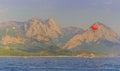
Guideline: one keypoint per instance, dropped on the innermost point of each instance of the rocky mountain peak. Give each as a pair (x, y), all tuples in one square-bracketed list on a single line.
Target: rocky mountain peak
[(43, 28), (35, 19), (90, 35), (98, 23), (101, 25), (51, 20)]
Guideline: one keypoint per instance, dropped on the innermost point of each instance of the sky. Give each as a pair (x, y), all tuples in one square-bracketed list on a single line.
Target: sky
[(81, 13)]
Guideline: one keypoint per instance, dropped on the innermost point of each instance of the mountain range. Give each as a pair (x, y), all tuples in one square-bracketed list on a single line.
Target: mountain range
[(39, 37)]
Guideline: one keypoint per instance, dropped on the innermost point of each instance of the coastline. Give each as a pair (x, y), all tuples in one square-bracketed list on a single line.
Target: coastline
[(54, 56)]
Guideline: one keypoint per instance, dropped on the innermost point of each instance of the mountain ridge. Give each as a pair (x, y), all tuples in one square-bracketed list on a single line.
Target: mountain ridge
[(38, 35), (90, 35)]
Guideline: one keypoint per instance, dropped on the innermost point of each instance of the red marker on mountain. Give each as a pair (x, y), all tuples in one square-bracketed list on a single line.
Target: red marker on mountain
[(94, 27)]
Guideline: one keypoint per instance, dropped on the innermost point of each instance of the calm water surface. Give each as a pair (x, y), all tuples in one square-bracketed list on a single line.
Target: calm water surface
[(59, 64)]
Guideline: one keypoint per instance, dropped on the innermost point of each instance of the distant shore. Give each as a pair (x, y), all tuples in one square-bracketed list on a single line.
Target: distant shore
[(54, 56)]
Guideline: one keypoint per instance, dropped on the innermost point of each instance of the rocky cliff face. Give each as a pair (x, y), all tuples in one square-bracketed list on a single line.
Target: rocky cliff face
[(8, 39), (103, 33), (42, 29)]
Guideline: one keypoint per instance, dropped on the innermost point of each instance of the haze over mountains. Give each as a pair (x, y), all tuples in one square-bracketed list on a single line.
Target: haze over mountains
[(46, 37)]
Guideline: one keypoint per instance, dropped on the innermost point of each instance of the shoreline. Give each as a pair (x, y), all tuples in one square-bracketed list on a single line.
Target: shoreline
[(58, 56), (39, 56)]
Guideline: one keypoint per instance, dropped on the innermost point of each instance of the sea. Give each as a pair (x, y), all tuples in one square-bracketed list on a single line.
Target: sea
[(59, 64)]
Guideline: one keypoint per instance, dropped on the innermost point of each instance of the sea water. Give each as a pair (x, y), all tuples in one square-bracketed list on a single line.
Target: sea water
[(59, 64)]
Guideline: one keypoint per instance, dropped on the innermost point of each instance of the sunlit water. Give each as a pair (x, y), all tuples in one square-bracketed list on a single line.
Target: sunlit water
[(59, 64)]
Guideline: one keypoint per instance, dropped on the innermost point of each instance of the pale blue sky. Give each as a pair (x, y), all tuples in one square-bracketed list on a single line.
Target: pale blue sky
[(81, 13)]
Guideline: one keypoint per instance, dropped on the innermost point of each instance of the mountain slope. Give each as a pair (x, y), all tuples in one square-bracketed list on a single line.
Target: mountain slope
[(45, 37), (69, 32), (103, 33), (42, 29), (34, 35)]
